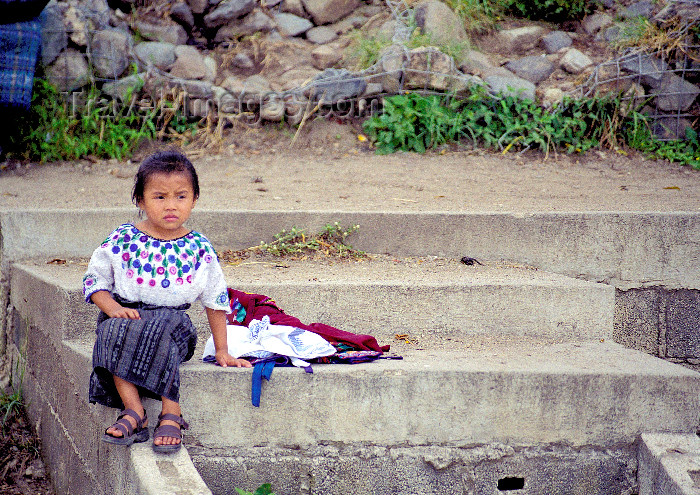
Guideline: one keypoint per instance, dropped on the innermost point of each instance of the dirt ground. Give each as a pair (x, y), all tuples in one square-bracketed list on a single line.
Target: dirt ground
[(329, 168)]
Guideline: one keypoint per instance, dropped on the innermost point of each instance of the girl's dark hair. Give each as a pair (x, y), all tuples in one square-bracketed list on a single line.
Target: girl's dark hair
[(167, 162)]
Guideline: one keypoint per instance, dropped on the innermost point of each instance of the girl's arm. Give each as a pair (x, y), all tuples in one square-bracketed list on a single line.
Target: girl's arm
[(104, 300), (217, 323)]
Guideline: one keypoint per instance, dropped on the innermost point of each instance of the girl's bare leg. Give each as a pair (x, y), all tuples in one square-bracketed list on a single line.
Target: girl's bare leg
[(130, 397), (171, 407)]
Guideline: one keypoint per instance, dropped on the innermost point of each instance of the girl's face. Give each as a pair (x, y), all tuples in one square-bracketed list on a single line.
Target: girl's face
[(168, 200)]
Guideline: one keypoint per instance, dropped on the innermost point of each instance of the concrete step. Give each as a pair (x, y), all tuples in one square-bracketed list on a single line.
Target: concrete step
[(429, 299), (525, 406), (669, 464), (481, 411)]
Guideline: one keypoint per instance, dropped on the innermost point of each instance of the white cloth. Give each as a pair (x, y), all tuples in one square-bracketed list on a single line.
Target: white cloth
[(262, 339), (141, 268)]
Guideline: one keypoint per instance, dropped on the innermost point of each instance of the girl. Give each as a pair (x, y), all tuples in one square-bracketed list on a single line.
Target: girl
[(143, 278)]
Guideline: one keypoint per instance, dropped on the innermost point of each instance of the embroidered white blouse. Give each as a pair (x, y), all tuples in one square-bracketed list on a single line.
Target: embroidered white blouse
[(141, 268)]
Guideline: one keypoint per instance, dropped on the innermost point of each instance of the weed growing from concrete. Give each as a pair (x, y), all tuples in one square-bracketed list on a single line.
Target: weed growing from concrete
[(265, 489), (294, 243)]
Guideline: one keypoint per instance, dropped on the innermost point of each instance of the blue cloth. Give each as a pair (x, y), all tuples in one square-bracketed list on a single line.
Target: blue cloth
[(20, 44)]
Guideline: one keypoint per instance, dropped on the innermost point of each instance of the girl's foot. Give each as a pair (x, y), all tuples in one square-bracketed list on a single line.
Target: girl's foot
[(130, 427), (167, 438)]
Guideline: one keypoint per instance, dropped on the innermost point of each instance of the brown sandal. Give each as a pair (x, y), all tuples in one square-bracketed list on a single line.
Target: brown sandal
[(129, 433), (169, 431)]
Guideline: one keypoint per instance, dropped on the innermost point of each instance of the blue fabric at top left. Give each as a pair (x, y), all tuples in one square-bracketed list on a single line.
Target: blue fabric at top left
[(20, 44)]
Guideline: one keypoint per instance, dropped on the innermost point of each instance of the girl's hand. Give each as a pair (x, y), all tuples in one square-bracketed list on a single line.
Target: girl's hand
[(225, 360), (123, 312)]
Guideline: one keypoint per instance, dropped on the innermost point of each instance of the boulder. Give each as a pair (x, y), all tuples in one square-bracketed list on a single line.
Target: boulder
[(439, 22), (325, 56), (293, 7), (575, 62), (555, 41), (522, 38), (166, 32), (335, 85), (157, 53), (198, 6), (54, 38), (328, 11), (533, 68), (637, 9), (428, 68), (182, 14), (122, 88), (551, 97), (212, 69), (670, 128), (110, 49), (292, 25), (227, 11), (511, 86), (593, 23), (77, 26), (273, 109), (650, 68), (256, 21), (321, 35), (675, 94), (189, 63), (69, 71)]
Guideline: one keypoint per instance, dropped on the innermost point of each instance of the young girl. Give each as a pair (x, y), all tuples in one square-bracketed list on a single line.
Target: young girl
[(143, 278)]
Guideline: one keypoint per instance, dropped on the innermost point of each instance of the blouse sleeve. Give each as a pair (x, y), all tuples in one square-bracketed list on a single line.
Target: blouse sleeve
[(99, 275), (215, 294)]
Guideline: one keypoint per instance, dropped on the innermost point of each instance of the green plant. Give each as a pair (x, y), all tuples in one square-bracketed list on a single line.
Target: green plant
[(11, 405), (546, 10), (478, 16), (331, 241), (365, 51), (640, 137), (265, 489)]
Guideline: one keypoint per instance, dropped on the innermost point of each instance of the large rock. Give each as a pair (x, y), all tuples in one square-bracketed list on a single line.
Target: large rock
[(325, 56), (123, 88), (77, 26), (256, 21), (292, 25), (182, 14), (157, 53), (533, 68), (227, 11), (650, 68), (555, 41), (511, 86), (321, 35), (429, 68), (522, 38), (439, 22), (198, 6), (593, 23), (54, 38), (336, 85), (479, 64), (110, 49), (69, 71), (675, 94), (327, 11), (189, 63), (575, 61), (670, 128), (166, 32), (295, 7), (637, 9)]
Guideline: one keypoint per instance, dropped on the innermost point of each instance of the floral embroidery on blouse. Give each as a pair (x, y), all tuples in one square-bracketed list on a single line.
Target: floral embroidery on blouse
[(150, 263)]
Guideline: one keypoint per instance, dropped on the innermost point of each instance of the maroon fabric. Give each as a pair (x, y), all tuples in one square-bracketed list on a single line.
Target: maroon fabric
[(257, 305)]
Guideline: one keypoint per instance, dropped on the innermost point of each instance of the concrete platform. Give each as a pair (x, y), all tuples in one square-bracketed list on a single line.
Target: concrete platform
[(669, 464), (444, 298)]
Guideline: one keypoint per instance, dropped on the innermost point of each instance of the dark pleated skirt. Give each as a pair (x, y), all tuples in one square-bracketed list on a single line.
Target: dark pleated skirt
[(145, 352)]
